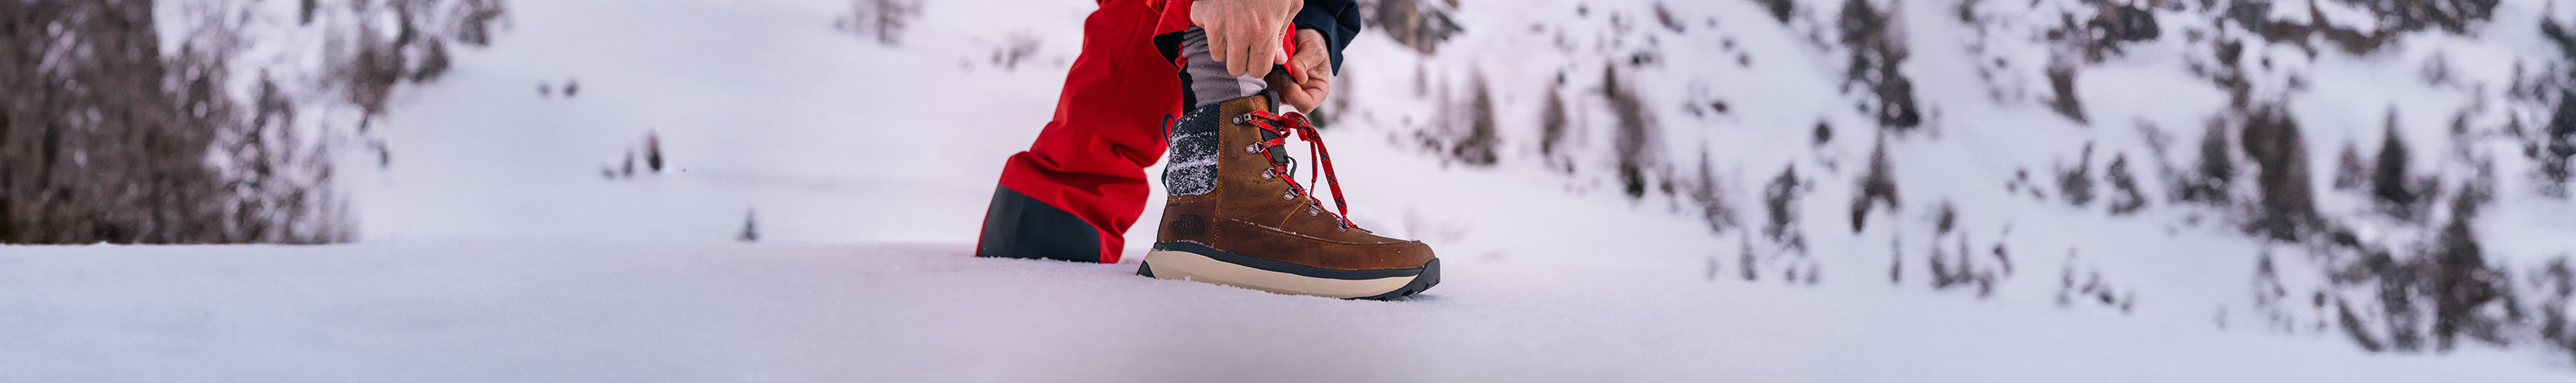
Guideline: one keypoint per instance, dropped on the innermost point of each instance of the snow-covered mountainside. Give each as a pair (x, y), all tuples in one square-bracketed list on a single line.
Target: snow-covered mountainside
[(2391, 173), (1755, 190)]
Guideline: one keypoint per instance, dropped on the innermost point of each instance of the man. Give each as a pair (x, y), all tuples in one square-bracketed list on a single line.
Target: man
[(1236, 216)]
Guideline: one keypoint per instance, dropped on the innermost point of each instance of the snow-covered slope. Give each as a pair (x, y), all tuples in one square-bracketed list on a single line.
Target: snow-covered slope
[(2160, 159)]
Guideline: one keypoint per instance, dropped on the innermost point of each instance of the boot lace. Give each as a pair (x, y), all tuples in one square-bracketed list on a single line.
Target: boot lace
[(1294, 124)]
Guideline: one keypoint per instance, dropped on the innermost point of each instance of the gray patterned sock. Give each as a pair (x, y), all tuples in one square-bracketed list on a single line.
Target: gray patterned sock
[(1207, 79)]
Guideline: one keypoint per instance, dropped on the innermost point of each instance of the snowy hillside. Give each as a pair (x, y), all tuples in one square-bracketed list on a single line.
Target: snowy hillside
[(1728, 190), (2152, 158), (2155, 158)]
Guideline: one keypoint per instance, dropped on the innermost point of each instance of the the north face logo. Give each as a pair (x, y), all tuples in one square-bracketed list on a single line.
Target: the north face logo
[(1189, 224)]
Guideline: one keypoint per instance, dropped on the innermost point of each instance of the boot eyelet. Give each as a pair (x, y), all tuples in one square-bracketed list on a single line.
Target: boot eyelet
[(1253, 148), (1312, 211), (1241, 118), (1269, 174), (1287, 196)]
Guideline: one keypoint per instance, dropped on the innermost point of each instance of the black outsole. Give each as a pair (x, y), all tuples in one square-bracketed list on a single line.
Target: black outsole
[(1430, 277)]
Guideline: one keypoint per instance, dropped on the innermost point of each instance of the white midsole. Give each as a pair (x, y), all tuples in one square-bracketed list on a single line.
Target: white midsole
[(1182, 265)]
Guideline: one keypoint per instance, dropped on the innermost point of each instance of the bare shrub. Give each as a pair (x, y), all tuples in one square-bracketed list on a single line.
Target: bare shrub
[(750, 228), (2556, 146), (474, 23), (1421, 25), (1635, 140), (2395, 17), (884, 20), (1877, 53), (1552, 123), (433, 62), (2287, 205), (2088, 285), (2556, 285), (1746, 262), (2061, 79), (1781, 201), (1477, 147), (1876, 187), (2389, 185), (2113, 25), (2350, 172), (2409, 15), (2211, 178), (1014, 50), (2431, 296), (1780, 9), (1664, 16), (2076, 184), (2356, 330), (2128, 199), (2461, 283), (1710, 195), (1957, 268)]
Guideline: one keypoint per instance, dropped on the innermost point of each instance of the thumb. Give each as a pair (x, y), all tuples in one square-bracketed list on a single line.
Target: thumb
[(1312, 64)]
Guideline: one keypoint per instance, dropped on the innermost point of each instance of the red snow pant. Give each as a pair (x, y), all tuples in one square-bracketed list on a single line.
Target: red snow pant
[(1075, 192)]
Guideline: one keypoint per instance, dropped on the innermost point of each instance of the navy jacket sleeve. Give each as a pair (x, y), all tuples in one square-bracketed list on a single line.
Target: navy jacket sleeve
[(1337, 20)]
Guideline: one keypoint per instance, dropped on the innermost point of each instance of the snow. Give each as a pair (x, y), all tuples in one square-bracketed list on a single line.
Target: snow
[(493, 248), (503, 311), (760, 106)]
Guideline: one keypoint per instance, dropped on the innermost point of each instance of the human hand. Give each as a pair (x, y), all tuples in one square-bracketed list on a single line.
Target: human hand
[(1244, 34), (1313, 78)]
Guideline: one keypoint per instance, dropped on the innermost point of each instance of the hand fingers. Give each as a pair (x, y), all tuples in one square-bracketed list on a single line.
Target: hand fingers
[(1238, 50), (1217, 48), (1298, 97), (1208, 24), (1317, 88), (1320, 90), (1319, 85), (1290, 93), (1279, 53), (1259, 55), (1306, 61), (1312, 56)]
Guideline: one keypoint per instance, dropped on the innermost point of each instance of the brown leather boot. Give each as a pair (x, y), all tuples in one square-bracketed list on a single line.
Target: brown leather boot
[(1237, 218)]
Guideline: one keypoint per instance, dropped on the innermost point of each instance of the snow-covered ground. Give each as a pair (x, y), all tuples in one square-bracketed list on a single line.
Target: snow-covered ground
[(554, 311), (500, 242)]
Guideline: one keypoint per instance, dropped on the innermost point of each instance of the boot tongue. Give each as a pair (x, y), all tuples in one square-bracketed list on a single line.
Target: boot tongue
[(1270, 98), (1278, 154)]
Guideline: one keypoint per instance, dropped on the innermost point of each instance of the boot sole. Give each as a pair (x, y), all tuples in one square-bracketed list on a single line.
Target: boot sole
[(1194, 262)]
